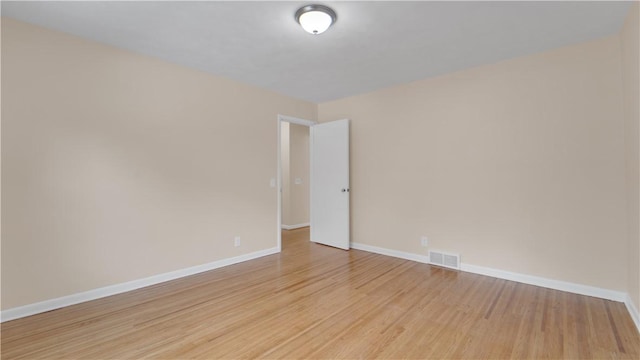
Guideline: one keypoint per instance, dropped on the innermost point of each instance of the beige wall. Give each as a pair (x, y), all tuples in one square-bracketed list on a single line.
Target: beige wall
[(285, 164), (117, 166), (299, 156), (517, 166), (295, 164), (630, 40), (1, 147)]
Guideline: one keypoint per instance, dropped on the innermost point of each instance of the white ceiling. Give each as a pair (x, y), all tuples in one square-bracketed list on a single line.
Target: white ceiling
[(372, 45)]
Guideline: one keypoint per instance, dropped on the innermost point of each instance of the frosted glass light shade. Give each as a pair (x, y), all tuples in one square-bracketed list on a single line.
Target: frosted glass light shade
[(315, 22), (315, 19)]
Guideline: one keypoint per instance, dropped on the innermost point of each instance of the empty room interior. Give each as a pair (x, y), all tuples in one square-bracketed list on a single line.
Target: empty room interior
[(341, 179)]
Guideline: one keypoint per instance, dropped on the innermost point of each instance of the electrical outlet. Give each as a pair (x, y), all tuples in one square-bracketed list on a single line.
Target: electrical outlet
[(424, 241), (236, 241)]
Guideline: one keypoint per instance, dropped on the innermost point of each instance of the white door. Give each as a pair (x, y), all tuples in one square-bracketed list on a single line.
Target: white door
[(330, 183)]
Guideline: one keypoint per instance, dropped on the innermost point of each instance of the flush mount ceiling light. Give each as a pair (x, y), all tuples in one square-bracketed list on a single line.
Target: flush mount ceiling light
[(315, 19)]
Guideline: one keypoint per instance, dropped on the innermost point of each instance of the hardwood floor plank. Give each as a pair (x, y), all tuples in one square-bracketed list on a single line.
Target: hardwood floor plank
[(316, 302)]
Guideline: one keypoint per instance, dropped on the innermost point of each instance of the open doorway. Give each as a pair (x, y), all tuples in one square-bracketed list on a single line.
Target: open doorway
[(328, 182), (294, 152), (294, 179)]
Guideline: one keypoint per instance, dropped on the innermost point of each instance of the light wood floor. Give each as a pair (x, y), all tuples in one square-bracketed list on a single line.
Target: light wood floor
[(313, 301)]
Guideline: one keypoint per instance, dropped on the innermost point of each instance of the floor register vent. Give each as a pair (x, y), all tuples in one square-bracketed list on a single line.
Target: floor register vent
[(444, 259)]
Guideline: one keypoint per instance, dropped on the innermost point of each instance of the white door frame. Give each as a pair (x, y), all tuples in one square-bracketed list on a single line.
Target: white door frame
[(291, 120)]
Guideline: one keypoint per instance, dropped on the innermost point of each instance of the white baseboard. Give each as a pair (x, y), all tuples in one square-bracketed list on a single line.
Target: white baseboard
[(389, 252), (506, 275), (48, 305), (633, 310), (546, 283), (296, 226), (521, 278)]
